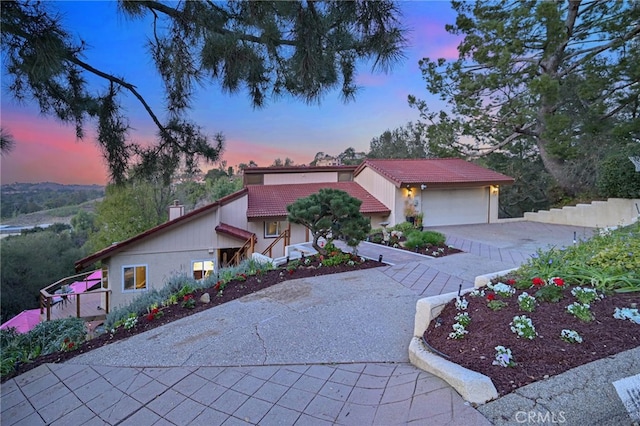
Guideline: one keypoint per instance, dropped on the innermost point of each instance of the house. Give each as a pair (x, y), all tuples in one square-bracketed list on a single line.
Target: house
[(254, 219)]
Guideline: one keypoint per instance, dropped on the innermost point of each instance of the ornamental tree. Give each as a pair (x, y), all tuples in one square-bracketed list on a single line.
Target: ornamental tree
[(330, 213), (267, 48), (561, 77)]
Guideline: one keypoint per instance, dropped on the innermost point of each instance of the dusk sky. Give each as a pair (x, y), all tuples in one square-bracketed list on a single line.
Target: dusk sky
[(47, 150)]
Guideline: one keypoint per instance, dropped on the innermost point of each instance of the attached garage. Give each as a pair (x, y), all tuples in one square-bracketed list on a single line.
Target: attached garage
[(456, 206)]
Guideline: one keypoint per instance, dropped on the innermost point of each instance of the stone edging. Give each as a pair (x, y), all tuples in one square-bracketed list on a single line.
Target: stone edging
[(472, 386)]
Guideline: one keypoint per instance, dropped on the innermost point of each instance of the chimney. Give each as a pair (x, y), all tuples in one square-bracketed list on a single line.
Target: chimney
[(175, 210)]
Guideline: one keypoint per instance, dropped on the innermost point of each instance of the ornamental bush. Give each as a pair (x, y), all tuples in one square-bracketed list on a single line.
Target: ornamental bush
[(424, 239), (617, 177), (45, 338)]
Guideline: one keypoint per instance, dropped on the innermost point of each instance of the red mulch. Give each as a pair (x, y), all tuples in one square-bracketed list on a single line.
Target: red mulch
[(547, 354), (234, 290)]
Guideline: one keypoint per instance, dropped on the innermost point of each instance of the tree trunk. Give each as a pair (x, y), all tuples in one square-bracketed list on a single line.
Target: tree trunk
[(555, 167)]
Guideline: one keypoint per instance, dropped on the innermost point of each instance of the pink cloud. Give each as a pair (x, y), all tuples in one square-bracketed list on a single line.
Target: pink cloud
[(48, 151), (241, 151), (430, 39)]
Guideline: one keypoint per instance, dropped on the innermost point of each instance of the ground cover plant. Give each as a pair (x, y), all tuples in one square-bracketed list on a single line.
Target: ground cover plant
[(562, 309), (60, 340), (406, 236)]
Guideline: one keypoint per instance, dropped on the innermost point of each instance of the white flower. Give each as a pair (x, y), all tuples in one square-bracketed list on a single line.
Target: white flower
[(502, 289), (458, 331), (523, 327), (631, 314), (461, 303), (477, 293), (503, 357), (570, 336), (584, 295)]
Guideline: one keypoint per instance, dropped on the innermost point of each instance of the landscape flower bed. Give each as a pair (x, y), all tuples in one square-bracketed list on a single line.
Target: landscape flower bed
[(556, 312), (405, 236)]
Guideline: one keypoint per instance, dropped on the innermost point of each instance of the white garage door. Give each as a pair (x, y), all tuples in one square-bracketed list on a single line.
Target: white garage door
[(455, 206)]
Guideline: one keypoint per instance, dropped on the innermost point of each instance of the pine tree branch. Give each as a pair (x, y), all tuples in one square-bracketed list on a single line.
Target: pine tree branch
[(516, 134), (130, 87), (178, 15)]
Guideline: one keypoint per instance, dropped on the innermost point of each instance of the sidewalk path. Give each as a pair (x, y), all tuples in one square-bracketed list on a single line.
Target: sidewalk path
[(319, 351)]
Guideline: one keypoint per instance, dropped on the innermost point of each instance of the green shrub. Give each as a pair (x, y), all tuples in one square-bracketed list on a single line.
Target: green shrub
[(337, 259), (45, 338), (608, 261), (617, 177), (405, 227), (424, 239)]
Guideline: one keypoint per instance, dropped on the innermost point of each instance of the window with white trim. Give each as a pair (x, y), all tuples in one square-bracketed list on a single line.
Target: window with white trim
[(271, 229), (134, 277), (202, 269)]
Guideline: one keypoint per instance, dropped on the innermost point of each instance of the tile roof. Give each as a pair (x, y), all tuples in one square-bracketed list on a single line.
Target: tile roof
[(435, 171), (272, 200)]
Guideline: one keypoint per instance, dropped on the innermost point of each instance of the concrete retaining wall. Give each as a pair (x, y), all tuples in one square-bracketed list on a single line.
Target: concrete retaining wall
[(597, 214)]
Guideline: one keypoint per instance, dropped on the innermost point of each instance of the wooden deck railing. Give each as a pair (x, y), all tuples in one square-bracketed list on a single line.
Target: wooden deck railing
[(286, 235), (241, 253), (48, 294)]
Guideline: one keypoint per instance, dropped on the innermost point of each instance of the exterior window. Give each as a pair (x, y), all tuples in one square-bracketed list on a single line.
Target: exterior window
[(134, 277), (105, 277), (202, 269), (271, 229), (345, 176), (253, 179)]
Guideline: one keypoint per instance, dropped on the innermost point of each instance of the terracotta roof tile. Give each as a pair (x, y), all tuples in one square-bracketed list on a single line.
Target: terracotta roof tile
[(272, 200), (436, 171)]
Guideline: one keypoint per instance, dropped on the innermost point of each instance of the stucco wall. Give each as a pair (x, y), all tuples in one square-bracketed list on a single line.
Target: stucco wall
[(160, 267), (308, 177), (381, 189)]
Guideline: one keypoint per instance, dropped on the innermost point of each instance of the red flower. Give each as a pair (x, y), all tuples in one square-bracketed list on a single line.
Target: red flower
[(154, 311), (291, 271), (558, 281), (537, 281), (491, 297), (70, 345), (217, 286), (150, 317), (511, 282), (187, 297)]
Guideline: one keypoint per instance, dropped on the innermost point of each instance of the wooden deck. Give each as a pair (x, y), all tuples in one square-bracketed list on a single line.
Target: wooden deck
[(89, 303)]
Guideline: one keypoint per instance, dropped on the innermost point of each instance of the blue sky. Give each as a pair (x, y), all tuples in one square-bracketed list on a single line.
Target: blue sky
[(48, 151)]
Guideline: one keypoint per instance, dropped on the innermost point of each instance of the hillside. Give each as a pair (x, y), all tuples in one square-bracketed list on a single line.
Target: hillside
[(36, 203)]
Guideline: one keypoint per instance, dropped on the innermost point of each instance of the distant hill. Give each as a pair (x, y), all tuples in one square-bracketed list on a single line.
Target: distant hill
[(50, 186), (23, 198)]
